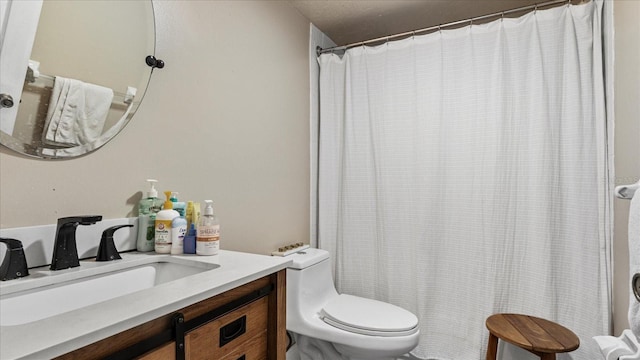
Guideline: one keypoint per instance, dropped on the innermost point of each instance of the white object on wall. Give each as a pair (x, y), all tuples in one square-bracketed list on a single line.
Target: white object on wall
[(18, 25)]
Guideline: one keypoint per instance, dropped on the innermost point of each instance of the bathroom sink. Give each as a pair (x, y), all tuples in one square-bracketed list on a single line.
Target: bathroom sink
[(47, 293)]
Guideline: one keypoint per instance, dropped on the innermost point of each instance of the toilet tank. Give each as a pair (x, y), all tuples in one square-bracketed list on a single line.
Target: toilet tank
[(309, 287), (307, 258)]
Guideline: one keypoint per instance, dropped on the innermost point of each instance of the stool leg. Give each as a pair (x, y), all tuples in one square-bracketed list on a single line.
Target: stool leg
[(492, 348), (548, 357)]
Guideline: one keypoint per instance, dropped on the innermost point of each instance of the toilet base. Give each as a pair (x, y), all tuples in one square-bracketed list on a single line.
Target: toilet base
[(308, 348)]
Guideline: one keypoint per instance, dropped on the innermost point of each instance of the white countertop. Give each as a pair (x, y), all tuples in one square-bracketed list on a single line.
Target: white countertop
[(66, 332)]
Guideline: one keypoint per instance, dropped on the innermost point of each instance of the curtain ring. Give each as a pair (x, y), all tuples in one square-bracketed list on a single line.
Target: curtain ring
[(535, 9), (413, 35), (502, 16), (440, 28)]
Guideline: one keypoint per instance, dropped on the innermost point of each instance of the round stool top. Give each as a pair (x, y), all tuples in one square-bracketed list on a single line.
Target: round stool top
[(532, 333)]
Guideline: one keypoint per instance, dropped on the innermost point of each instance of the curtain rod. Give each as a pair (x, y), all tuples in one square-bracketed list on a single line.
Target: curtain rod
[(320, 51)]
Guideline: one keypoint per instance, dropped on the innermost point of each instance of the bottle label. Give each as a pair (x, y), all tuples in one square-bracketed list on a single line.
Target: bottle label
[(207, 247), (163, 232), (208, 240), (146, 233), (208, 233)]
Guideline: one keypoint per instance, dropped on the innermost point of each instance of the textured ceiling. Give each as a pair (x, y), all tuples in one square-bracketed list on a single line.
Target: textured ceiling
[(349, 21)]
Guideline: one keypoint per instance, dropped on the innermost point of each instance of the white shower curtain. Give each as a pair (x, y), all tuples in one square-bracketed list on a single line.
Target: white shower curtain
[(464, 173)]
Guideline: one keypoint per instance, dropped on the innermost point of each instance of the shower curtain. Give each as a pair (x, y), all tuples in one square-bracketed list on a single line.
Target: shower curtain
[(464, 173)]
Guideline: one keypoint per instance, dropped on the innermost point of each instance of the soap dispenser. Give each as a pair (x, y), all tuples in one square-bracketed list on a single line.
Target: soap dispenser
[(163, 226), (208, 234), (147, 209)]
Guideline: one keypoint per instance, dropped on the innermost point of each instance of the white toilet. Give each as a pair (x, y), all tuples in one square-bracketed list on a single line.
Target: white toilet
[(357, 328)]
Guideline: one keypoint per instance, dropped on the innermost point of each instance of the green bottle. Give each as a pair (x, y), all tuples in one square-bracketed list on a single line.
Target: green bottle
[(147, 209)]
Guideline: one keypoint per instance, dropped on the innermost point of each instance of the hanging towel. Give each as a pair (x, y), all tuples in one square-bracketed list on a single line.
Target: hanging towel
[(634, 260), (624, 347), (77, 112)]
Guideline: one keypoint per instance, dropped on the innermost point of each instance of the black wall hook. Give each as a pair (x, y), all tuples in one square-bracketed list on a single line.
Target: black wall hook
[(153, 62)]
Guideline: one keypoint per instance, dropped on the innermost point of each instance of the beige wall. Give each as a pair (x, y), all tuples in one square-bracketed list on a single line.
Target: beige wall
[(226, 119), (627, 142)]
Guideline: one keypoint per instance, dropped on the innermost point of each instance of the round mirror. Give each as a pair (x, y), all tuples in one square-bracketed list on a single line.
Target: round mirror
[(84, 78)]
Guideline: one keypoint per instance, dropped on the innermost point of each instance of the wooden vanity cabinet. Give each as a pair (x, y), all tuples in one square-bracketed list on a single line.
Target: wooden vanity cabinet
[(241, 324)]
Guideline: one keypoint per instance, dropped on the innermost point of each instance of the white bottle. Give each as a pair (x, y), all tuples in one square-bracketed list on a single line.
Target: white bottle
[(164, 219), (178, 232), (208, 232)]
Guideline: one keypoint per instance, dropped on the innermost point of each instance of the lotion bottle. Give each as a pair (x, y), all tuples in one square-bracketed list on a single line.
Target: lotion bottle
[(208, 232), (164, 218), (147, 209)]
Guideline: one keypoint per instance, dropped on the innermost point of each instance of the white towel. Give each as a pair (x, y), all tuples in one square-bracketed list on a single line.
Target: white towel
[(77, 112), (625, 347), (634, 260)]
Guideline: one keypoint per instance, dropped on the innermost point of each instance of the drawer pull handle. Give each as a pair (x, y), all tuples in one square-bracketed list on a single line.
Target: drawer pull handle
[(233, 330)]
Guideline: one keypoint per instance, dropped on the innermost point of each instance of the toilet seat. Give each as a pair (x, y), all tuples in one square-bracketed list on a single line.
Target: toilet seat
[(368, 317)]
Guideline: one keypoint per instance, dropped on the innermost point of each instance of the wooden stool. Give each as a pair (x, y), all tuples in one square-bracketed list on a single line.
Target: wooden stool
[(539, 336)]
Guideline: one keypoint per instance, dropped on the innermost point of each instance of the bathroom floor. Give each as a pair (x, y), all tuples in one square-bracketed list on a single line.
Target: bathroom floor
[(292, 353)]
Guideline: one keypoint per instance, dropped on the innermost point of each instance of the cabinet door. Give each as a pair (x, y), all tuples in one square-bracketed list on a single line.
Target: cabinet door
[(165, 352), (231, 334)]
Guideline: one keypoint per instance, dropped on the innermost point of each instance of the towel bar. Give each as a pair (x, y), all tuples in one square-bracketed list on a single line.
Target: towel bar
[(33, 74), (626, 191)]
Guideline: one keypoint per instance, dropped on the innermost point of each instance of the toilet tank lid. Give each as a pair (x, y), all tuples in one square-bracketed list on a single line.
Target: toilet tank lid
[(308, 257)]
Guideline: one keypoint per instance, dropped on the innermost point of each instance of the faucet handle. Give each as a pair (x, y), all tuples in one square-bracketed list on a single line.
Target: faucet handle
[(14, 264), (107, 250)]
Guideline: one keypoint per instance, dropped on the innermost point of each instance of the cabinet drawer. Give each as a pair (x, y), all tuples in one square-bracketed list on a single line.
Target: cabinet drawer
[(222, 336), (252, 349)]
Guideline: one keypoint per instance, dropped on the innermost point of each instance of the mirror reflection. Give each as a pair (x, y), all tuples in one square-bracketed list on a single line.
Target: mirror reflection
[(84, 78)]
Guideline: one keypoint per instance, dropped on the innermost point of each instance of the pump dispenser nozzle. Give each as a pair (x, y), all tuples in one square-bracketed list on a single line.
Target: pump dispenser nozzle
[(208, 207), (168, 205), (152, 191)]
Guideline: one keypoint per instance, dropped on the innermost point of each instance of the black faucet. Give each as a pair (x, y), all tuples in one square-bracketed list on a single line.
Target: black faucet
[(14, 264), (107, 250), (65, 251)]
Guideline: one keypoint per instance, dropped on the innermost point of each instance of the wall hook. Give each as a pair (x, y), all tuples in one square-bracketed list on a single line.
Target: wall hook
[(153, 62)]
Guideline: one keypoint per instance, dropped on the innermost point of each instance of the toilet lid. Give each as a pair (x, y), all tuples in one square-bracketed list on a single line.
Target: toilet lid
[(368, 317)]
